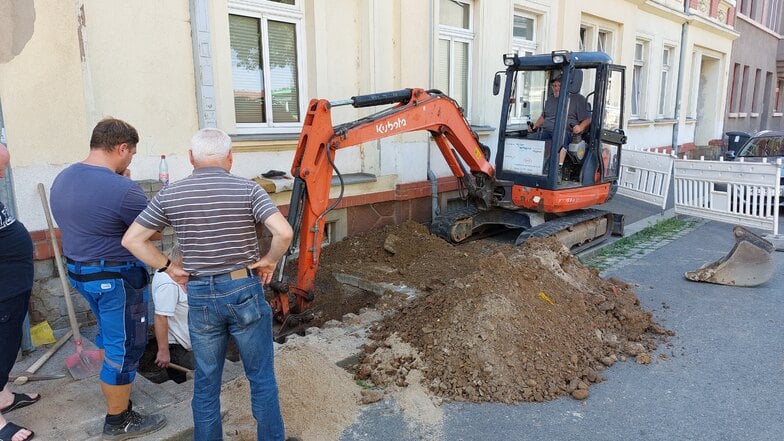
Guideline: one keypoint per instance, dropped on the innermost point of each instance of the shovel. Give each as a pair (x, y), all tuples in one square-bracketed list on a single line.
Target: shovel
[(87, 360), (30, 373), (188, 372)]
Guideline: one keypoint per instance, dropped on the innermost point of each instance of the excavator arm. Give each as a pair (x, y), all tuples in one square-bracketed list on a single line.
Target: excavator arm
[(312, 169)]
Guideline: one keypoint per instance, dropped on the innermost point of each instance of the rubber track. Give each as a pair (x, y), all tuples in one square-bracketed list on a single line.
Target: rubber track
[(552, 227), (442, 223)]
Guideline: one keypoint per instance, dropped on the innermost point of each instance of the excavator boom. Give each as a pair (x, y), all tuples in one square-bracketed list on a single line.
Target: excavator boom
[(313, 166)]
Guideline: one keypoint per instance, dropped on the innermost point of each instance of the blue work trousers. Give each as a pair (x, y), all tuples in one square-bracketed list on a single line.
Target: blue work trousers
[(220, 307), (118, 298)]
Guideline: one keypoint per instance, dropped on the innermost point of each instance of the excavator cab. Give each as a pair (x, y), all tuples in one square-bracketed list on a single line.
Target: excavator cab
[(559, 161)]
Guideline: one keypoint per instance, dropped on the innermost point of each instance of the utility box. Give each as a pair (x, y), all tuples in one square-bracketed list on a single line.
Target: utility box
[(735, 140)]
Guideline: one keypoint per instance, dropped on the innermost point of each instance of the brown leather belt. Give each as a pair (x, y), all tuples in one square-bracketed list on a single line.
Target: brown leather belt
[(242, 273)]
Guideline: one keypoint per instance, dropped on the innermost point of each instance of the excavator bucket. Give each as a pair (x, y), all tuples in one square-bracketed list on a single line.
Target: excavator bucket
[(749, 263)]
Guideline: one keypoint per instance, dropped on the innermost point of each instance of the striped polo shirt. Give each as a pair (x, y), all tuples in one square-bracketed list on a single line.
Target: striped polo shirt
[(214, 215)]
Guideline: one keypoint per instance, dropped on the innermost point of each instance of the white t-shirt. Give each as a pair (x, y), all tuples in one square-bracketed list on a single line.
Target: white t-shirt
[(172, 302)]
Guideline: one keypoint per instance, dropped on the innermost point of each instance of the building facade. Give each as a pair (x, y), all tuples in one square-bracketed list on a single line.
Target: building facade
[(754, 99), (250, 67)]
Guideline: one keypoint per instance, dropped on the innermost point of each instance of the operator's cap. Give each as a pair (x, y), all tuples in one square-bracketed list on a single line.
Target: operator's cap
[(556, 76)]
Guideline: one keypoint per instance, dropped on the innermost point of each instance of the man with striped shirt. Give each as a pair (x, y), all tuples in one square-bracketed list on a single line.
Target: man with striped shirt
[(214, 214)]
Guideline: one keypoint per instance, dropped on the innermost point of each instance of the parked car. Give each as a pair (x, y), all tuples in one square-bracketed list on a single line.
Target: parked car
[(765, 144)]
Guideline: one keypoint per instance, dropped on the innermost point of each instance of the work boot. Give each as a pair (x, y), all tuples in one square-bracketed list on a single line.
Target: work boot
[(130, 424)]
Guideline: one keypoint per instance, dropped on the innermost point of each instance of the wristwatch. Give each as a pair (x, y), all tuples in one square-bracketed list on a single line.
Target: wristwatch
[(165, 267)]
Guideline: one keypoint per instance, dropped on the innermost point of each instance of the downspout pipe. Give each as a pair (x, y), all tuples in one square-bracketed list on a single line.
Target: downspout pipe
[(679, 85), (431, 176)]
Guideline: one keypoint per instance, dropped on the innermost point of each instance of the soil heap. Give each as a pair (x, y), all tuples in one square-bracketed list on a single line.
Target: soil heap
[(493, 322)]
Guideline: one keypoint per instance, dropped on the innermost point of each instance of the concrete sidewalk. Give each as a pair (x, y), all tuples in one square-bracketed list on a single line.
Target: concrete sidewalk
[(74, 410)]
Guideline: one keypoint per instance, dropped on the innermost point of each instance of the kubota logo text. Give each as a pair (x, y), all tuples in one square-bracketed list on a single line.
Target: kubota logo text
[(390, 126)]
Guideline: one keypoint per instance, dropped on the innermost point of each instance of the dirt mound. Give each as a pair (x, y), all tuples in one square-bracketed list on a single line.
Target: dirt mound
[(494, 322), (318, 400), (406, 254)]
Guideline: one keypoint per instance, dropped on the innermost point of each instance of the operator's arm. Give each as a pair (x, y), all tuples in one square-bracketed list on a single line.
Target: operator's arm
[(580, 128), (281, 239), (539, 122), (137, 241), (579, 110), (161, 325)]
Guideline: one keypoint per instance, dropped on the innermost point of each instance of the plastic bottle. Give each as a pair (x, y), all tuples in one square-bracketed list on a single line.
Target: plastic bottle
[(163, 171)]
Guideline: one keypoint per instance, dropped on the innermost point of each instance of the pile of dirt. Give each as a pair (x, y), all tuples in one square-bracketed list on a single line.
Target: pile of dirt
[(318, 400), (494, 322)]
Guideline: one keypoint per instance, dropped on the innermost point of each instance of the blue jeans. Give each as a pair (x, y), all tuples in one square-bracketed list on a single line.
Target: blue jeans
[(118, 297), (220, 307)]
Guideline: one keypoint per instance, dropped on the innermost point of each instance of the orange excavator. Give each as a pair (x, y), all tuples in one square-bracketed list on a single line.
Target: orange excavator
[(543, 183)]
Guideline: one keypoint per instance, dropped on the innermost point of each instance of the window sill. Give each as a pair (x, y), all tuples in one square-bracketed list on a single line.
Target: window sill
[(356, 184), (264, 142), (743, 115), (278, 142), (286, 183), (777, 114), (732, 115), (664, 121), (639, 122), (754, 115), (482, 130)]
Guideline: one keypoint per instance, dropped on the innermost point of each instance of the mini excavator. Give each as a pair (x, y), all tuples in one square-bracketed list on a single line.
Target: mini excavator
[(542, 184)]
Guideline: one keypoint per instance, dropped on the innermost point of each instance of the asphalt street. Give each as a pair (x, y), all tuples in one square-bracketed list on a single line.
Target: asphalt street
[(720, 380)]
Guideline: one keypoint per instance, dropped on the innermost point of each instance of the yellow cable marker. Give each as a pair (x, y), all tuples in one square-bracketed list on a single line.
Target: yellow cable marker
[(544, 297)]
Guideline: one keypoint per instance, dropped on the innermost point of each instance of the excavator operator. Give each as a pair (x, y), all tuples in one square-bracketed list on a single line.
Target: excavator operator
[(578, 118)]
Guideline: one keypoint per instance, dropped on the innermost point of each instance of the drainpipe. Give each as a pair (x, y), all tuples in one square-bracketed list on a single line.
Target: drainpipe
[(679, 85), (431, 176)]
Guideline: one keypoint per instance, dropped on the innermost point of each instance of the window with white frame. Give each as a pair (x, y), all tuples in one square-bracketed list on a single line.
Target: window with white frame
[(266, 64), (664, 85), (597, 37), (584, 38), (523, 44), (455, 38), (604, 41), (639, 78)]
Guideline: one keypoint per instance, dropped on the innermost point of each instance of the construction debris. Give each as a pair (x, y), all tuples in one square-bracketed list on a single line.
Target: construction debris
[(493, 322)]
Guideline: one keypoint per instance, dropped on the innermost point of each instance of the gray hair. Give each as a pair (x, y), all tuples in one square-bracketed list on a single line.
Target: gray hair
[(210, 144)]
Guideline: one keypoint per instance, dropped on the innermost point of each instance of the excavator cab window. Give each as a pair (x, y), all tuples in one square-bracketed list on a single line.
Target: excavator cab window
[(526, 99), (612, 134)]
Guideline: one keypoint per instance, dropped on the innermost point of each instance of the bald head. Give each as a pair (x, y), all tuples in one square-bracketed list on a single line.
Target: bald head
[(5, 158)]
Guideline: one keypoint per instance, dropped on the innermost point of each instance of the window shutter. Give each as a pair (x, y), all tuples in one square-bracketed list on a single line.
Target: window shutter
[(460, 89), (246, 67), (442, 82), (283, 71)]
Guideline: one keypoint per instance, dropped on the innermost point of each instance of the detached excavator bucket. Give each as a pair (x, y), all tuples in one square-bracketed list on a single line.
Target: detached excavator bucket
[(749, 263)]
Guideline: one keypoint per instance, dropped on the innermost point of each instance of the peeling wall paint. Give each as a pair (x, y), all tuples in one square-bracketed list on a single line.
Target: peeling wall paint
[(17, 23)]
